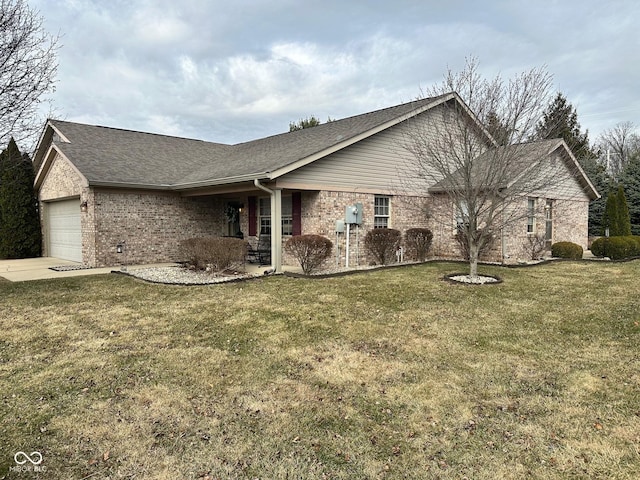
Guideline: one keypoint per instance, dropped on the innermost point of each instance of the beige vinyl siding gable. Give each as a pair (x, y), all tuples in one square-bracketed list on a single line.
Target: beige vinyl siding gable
[(564, 184), (378, 164)]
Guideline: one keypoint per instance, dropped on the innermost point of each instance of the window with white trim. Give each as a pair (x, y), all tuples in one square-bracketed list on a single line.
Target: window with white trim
[(531, 216), (462, 215), (381, 207), (264, 215)]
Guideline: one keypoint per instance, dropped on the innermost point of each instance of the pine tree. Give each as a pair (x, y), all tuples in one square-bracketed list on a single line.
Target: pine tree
[(496, 128), (560, 120), (20, 235), (610, 214), (630, 179), (623, 221)]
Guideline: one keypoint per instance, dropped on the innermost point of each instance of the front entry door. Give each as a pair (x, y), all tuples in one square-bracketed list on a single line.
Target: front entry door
[(232, 214)]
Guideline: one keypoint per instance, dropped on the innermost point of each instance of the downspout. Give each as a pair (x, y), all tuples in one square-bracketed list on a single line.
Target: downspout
[(276, 225)]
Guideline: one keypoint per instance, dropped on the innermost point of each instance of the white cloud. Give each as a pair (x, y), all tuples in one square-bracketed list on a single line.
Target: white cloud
[(230, 71)]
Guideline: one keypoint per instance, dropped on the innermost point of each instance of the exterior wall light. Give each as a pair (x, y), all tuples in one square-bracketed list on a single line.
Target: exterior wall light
[(84, 206)]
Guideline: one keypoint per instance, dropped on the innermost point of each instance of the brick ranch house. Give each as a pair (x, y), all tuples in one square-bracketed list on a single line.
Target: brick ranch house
[(99, 187)]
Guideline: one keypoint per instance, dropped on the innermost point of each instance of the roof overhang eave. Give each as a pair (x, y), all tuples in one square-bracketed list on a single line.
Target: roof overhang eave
[(222, 181)]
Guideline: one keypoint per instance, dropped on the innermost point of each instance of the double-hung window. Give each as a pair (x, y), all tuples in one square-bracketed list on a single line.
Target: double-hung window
[(531, 216), (264, 215), (462, 216), (381, 206)]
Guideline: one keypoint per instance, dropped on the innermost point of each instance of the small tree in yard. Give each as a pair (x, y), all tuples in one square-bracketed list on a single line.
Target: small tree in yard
[(452, 154), (309, 250), (382, 244)]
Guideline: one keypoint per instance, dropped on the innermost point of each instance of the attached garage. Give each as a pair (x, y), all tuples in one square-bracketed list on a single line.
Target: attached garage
[(64, 231)]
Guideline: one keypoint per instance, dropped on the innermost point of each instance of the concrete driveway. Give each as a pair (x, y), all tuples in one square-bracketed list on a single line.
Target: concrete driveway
[(40, 268)]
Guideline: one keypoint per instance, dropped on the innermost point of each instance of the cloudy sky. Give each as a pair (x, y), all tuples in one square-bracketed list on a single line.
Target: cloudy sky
[(234, 70)]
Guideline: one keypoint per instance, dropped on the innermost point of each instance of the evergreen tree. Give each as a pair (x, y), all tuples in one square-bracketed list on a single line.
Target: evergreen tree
[(603, 182), (496, 128), (630, 179), (560, 120), (610, 214), (20, 235), (305, 123), (623, 221)]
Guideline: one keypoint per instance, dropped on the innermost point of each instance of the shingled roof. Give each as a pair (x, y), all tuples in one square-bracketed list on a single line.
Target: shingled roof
[(519, 158), (111, 156)]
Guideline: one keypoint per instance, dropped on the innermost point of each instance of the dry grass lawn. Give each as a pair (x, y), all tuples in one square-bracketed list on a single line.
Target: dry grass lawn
[(386, 374)]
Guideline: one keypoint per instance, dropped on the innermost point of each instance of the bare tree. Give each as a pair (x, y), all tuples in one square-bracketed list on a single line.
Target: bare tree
[(616, 146), (485, 183), (28, 66)]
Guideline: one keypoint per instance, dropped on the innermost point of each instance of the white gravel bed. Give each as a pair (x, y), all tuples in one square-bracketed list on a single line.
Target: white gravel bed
[(183, 276), (478, 279)]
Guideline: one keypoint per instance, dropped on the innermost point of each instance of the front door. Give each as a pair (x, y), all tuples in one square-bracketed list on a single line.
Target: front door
[(232, 214)]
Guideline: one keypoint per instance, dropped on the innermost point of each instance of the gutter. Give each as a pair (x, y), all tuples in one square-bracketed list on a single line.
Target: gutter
[(276, 225)]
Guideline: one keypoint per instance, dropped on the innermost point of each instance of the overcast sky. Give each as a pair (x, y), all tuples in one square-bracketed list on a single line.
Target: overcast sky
[(234, 70)]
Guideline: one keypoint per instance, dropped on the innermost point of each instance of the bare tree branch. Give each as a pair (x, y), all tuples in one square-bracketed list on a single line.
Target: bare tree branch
[(452, 151), (28, 66)]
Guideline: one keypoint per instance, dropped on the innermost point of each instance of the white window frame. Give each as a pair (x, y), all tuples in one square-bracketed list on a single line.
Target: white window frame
[(381, 211), (264, 215), (531, 216), (461, 212)]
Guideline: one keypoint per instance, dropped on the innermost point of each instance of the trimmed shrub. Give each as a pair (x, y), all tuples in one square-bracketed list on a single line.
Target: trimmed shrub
[(382, 244), (215, 253), (616, 248), (566, 250), (463, 244), (418, 243), (309, 250)]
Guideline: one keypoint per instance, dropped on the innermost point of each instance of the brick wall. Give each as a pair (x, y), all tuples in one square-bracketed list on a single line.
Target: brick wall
[(321, 209), (570, 219), (151, 223)]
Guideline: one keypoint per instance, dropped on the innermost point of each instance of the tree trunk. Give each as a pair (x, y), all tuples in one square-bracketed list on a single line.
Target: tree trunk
[(473, 259)]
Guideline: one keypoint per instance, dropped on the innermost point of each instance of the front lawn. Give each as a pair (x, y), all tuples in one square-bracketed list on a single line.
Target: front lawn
[(384, 374)]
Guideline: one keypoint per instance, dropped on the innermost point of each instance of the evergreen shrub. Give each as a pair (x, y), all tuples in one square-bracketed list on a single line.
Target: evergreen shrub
[(567, 250), (616, 248)]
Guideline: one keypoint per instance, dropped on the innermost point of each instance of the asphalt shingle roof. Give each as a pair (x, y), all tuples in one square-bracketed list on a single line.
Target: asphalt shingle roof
[(111, 155)]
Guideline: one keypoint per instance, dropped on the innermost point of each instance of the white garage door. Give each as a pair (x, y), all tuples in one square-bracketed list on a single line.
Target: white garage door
[(65, 236)]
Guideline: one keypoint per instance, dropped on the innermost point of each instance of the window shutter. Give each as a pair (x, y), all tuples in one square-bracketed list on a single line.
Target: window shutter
[(296, 213), (253, 218)]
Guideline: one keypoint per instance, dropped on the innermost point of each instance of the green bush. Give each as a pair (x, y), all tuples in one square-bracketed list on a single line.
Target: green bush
[(309, 250), (382, 244), (566, 250), (214, 253), (616, 248), (418, 243)]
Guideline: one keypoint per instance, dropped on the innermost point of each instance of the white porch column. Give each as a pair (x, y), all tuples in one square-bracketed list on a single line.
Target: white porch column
[(276, 225), (276, 230)]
